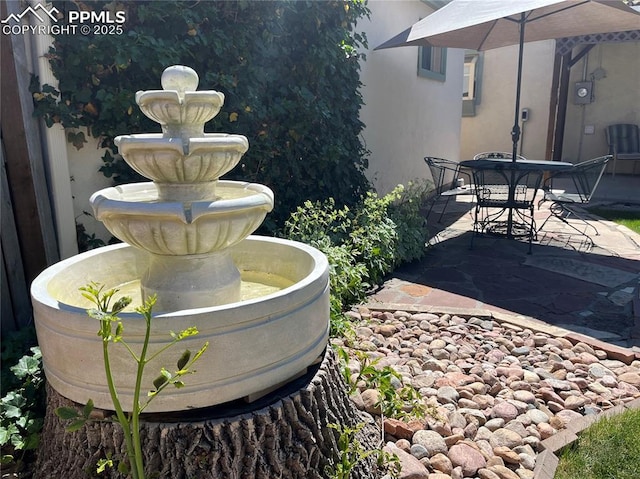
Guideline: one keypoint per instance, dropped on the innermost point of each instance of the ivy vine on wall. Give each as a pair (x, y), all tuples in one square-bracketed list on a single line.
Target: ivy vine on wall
[(289, 71)]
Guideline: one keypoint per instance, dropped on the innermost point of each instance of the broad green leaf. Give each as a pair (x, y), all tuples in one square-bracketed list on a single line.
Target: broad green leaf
[(160, 381), (184, 359), (88, 408), (66, 413), (123, 467), (4, 435), (27, 365), (11, 411)]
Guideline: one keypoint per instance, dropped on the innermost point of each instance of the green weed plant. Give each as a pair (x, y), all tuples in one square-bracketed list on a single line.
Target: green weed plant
[(350, 453), (396, 401), (111, 331)]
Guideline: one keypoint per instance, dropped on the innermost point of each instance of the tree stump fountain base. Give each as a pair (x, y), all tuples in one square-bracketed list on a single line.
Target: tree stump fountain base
[(282, 435)]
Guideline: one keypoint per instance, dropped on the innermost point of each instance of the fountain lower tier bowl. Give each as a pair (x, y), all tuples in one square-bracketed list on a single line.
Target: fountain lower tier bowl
[(255, 344)]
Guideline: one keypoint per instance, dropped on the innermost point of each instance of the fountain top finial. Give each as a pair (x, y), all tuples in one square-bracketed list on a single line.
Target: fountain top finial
[(180, 78)]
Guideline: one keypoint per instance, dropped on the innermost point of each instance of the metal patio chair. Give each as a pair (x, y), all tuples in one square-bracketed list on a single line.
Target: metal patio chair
[(585, 178), (624, 144), (505, 196), (445, 174)]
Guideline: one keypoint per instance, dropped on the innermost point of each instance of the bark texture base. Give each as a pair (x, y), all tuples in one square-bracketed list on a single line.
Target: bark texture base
[(283, 435)]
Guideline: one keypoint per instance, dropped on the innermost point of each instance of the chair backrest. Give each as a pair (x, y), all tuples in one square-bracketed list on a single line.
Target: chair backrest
[(587, 174), (440, 168), (496, 154), (493, 185), (623, 138)]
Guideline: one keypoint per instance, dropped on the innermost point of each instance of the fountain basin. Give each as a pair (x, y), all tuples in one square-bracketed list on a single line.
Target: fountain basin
[(196, 160), (134, 214), (254, 345)]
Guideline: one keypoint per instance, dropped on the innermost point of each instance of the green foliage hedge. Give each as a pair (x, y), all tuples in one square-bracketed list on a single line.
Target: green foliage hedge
[(364, 243), (289, 71)]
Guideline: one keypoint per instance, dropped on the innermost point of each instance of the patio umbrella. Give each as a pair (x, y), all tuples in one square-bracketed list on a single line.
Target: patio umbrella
[(488, 24)]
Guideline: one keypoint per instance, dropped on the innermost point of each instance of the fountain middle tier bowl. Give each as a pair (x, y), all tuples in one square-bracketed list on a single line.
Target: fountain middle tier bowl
[(134, 214), (172, 160), (255, 344)]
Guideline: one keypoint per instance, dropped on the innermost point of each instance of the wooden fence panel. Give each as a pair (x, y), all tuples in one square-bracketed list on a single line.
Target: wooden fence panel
[(26, 184), (15, 303)]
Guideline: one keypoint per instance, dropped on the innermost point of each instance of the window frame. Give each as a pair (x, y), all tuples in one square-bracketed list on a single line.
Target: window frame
[(469, 104), (431, 73)]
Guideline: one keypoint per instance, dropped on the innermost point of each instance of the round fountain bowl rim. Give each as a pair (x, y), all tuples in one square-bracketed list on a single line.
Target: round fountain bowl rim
[(113, 201), (220, 140), (40, 293)]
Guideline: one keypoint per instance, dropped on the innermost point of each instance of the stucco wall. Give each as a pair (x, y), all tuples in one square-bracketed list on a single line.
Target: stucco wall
[(86, 180), (616, 99), (490, 129), (407, 117)]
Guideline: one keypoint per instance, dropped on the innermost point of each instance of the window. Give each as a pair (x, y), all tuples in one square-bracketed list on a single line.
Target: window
[(471, 82), (432, 63)]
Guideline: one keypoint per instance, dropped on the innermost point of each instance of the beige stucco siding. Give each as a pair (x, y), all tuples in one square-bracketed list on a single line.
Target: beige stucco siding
[(616, 99), (407, 117), (491, 128)]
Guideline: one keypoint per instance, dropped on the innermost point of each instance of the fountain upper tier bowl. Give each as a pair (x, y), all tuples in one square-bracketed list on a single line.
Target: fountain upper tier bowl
[(135, 214), (181, 113), (174, 160), (255, 343)]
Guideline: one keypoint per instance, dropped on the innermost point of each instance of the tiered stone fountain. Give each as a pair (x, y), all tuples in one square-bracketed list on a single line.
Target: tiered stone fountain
[(262, 303)]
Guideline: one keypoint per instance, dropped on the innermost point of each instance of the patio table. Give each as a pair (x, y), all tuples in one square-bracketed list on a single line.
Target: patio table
[(509, 186)]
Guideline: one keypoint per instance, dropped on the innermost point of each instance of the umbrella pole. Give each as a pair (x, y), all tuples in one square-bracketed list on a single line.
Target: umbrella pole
[(515, 132)]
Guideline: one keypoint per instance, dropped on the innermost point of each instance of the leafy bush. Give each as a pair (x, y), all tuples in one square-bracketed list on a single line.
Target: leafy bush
[(289, 71), (406, 211), (22, 403), (363, 243)]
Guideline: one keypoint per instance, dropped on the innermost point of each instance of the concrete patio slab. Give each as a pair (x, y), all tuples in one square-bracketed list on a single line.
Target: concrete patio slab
[(583, 270)]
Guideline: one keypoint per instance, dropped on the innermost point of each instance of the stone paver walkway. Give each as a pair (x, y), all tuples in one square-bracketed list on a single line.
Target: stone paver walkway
[(565, 283)]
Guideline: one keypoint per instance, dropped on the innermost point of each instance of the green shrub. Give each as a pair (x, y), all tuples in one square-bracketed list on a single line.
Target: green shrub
[(364, 243), (289, 71), (406, 211)]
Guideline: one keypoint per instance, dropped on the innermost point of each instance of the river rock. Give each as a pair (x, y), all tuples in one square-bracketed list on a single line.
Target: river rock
[(431, 441), (468, 458)]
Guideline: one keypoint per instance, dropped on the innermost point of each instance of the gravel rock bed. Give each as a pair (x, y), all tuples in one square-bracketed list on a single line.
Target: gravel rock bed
[(497, 390)]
